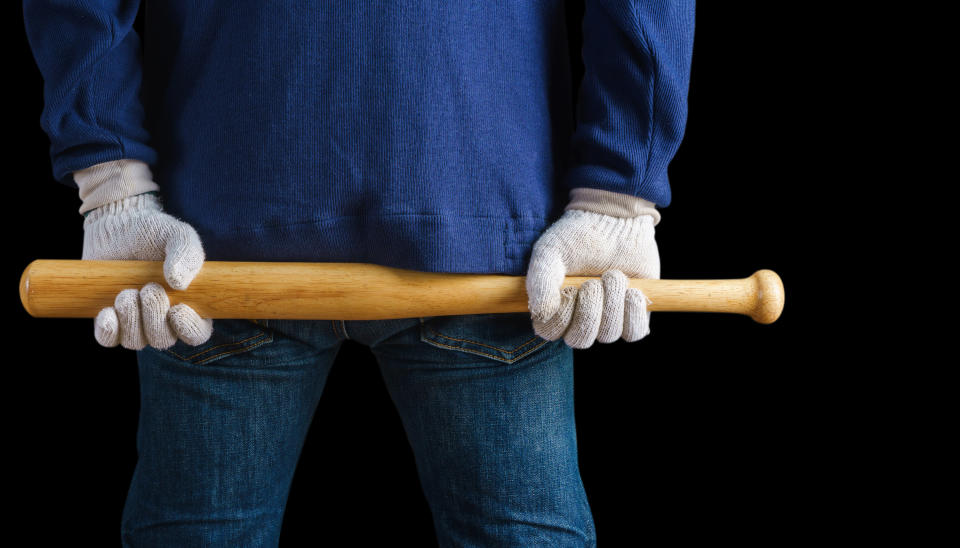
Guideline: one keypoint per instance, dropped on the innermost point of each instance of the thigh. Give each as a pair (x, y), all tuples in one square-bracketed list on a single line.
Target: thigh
[(220, 430), (488, 408)]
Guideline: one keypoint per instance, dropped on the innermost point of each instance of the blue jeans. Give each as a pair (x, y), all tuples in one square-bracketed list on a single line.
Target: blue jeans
[(487, 406)]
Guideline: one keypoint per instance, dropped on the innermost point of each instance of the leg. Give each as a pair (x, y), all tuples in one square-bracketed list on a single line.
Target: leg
[(488, 408), (220, 431)]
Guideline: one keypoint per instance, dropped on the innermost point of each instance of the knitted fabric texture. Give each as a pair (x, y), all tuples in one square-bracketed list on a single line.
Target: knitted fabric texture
[(434, 136), (145, 317), (112, 181), (137, 228), (615, 204), (586, 243)]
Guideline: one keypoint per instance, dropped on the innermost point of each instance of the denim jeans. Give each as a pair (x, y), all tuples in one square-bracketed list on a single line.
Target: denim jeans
[(487, 406)]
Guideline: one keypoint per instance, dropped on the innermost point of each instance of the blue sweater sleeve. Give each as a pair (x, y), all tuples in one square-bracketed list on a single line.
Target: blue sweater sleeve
[(90, 58), (632, 105)]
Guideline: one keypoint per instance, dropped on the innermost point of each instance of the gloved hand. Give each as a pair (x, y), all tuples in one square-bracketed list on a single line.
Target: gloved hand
[(600, 233), (136, 228)]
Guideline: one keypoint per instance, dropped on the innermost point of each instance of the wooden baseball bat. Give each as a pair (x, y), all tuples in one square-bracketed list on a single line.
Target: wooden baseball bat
[(354, 291)]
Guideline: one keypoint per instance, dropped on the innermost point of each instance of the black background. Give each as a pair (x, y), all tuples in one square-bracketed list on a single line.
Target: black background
[(712, 427)]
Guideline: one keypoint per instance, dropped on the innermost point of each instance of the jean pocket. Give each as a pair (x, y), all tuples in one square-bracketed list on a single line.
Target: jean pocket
[(229, 337), (506, 338)]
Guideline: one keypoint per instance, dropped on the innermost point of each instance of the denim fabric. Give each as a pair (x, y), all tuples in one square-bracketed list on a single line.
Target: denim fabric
[(487, 406)]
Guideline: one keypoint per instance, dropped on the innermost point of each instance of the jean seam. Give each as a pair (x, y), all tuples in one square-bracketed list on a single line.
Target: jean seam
[(510, 351), (251, 346), (482, 353), (257, 340), (206, 350), (336, 332)]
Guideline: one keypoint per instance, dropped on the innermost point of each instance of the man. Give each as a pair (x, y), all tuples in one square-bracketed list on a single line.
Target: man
[(434, 136)]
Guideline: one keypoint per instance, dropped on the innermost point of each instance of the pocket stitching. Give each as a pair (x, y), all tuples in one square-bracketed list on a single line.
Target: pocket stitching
[(265, 336), (250, 346), (482, 353), (509, 351)]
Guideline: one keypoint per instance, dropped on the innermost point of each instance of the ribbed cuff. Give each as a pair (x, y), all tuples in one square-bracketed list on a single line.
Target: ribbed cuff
[(108, 182), (142, 202), (614, 204)]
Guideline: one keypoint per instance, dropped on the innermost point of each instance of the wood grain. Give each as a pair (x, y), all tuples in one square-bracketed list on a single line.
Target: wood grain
[(354, 291)]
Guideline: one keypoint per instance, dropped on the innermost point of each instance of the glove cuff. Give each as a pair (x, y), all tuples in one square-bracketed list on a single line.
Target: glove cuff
[(149, 201), (108, 182), (610, 203)]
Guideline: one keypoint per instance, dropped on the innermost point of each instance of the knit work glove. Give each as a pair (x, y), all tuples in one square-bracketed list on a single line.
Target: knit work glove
[(604, 234), (136, 228)]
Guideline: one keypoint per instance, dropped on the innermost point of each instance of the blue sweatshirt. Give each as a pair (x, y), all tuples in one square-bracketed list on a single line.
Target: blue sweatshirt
[(434, 135)]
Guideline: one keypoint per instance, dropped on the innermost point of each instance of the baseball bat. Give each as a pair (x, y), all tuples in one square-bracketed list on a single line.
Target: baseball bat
[(354, 291)]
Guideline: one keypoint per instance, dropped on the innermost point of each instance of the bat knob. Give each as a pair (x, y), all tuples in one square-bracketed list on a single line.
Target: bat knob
[(770, 297)]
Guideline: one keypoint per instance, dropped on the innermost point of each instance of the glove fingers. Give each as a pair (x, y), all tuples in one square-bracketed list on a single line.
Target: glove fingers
[(544, 282), (154, 306), (106, 327), (636, 317), (554, 327), (586, 315), (188, 325), (184, 255), (615, 284), (127, 306)]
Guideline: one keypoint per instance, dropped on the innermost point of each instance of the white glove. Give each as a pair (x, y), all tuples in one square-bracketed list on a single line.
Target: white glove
[(136, 228), (600, 233)]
